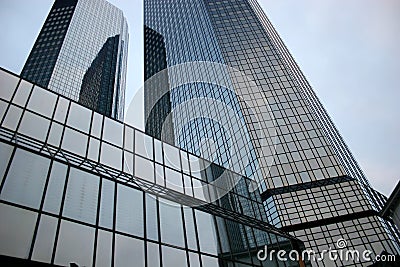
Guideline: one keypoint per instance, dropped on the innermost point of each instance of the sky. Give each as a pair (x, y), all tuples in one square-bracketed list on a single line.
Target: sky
[(347, 49)]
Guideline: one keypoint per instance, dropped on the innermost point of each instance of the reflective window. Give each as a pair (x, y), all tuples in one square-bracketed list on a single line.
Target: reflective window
[(8, 84), (26, 178), (130, 211), (16, 231), (94, 147), (206, 232), (104, 248), (107, 204), (55, 188), (128, 251), (96, 125), (42, 101), (194, 259), (174, 180), (128, 145), (75, 244), (171, 223), (55, 134), (5, 154), (172, 257), (209, 261), (74, 141), (45, 237), (61, 110), (81, 197), (143, 145), (151, 217), (113, 132), (144, 169), (171, 157), (34, 126), (22, 93), (111, 156), (12, 117), (190, 228), (153, 258), (79, 117)]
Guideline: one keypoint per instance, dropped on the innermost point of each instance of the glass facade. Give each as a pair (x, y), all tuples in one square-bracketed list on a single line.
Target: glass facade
[(225, 54), (79, 187), (80, 58)]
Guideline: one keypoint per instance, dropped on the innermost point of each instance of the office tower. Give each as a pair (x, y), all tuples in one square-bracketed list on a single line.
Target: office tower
[(78, 188), (81, 53), (226, 55)]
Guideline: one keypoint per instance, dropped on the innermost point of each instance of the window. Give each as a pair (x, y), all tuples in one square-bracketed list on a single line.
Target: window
[(81, 197), (26, 178), (130, 211)]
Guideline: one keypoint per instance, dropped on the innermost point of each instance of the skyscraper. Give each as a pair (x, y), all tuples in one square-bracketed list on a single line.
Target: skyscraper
[(81, 53), (229, 72)]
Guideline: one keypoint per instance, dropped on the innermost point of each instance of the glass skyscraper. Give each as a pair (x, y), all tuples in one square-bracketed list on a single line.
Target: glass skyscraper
[(226, 72), (81, 53)]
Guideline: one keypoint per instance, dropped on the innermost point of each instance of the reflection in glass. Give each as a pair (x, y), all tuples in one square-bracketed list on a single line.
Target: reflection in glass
[(129, 211), (128, 251), (75, 244), (107, 204), (104, 249), (45, 239), (55, 188), (171, 223), (16, 227), (81, 197), (173, 257), (25, 180), (206, 232)]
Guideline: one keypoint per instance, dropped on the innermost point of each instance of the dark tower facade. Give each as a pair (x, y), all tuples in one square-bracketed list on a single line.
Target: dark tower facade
[(71, 50), (226, 55)]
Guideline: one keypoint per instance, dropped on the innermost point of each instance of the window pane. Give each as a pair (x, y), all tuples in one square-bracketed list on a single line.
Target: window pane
[(81, 198), (26, 178), (107, 204), (5, 154), (42, 101), (153, 257), (45, 239), (143, 145), (79, 117), (113, 132), (209, 261), (61, 110), (8, 83), (111, 156), (16, 226), (130, 210), (206, 232), (171, 223), (151, 217), (22, 93), (74, 141), (12, 117), (104, 249), (190, 228), (127, 251), (174, 180), (173, 257), (75, 244), (55, 188), (171, 157), (144, 169), (34, 126)]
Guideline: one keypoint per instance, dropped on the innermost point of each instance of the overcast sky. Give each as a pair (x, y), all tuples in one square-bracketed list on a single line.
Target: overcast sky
[(348, 50)]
